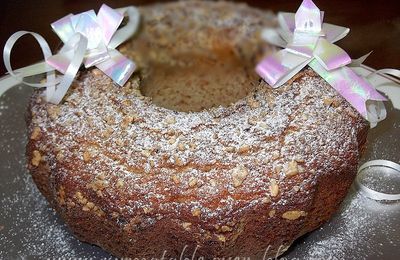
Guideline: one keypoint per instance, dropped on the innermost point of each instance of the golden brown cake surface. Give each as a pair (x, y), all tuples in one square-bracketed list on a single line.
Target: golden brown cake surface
[(140, 175)]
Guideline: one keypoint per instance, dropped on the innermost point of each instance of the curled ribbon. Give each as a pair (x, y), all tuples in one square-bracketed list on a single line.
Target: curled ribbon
[(308, 41), (89, 39), (372, 193)]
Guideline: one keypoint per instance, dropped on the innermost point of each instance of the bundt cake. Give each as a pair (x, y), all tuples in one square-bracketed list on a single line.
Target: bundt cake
[(195, 155)]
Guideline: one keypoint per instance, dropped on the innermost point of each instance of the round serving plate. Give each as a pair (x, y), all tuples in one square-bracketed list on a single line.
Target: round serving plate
[(29, 229)]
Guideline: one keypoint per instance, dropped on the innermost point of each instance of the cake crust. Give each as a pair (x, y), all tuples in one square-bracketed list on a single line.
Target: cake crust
[(245, 180)]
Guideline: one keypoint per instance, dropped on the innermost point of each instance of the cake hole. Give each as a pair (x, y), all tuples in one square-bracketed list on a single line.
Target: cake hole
[(195, 82)]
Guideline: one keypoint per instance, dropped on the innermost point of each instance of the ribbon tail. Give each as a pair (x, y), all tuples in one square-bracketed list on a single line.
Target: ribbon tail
[(385, 80), (356, 90), (359, 61), (280, 67), (117, 67)]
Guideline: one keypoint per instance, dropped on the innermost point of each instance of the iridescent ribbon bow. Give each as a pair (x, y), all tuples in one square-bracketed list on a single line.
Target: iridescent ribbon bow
[(89, 39), (308, 41)]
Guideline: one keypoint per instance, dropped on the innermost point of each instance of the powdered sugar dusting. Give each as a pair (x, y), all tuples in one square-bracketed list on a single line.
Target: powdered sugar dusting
[(140, 159), (361, 222)]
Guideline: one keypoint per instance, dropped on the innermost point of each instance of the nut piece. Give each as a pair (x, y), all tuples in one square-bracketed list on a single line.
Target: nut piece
[(275, 155), (274, 188), (331, 102), (120, 183), (293, 214), (226, 229), (53, 111), (271, 214), (292, 169), (35, 133), (126, 121), (170, 120), (244, 149), (192, 182), (239, 174), (181, 147), (253, 103), (221, 238), (36, 158), (86, 156), (230, 149), (196, 212), (186, 225), (175, 179)]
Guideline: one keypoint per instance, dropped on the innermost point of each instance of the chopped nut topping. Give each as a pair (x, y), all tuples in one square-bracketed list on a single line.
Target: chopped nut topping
[(126, 121), (120, 183), (253, 103), (192, 146), (292, 169), (275, 155), (274, 188), (127, 103), (175, 179), (53, 111), (186, 225), (146, 210), (127, 84), (293, 214), (146, 153), (244, 149), (196, 212), (86, 156), (351, 112), (97, 72), (252, 120), (192, 182), (172, 140), (226, 229), (331, 102), (170, 120), (36, 158), (230, 149), (35, 133), (213, 182), (181, 147), (221, 238), (271, 213), (239, 174), (107, 133), (278, 169), (119, 142), (266, 200), (90, 205), (178, 161), (263, 125)]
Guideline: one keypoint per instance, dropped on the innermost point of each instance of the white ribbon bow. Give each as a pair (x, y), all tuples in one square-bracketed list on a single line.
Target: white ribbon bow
[(88, 39), (308, 41)]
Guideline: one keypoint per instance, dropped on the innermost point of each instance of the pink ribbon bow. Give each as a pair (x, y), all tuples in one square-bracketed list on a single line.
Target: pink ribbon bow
[(89, 39), (308, 41)]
